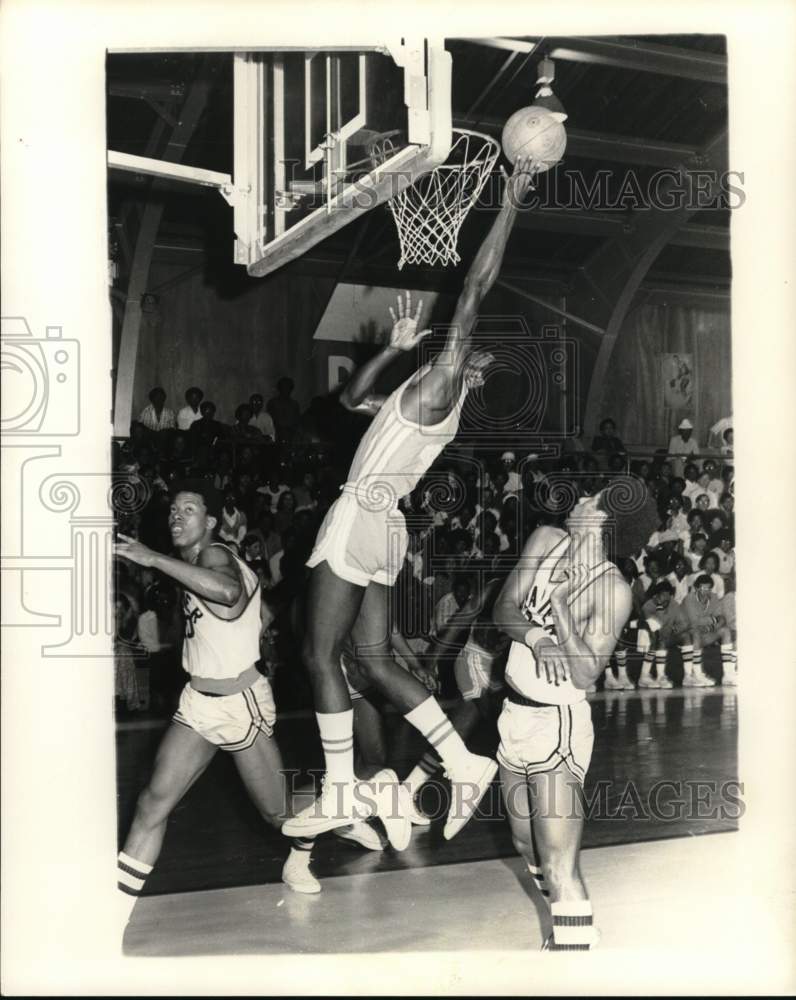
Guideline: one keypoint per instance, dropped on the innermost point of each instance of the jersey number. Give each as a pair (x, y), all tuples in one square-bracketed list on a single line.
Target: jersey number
[(191, 616)]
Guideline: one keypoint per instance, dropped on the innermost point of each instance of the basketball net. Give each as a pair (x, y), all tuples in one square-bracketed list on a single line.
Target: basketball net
[(429, 213)]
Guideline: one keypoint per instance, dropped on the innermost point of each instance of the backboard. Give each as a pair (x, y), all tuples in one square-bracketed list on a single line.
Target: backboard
[(304, 122)]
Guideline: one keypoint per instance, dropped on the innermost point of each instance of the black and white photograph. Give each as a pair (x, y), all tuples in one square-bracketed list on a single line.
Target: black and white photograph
[(374, 511)]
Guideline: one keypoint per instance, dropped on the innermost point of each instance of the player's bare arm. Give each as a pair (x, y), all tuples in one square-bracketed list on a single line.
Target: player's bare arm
[(507, 614), (214, 576), (586, 657), (358, 394), (436, 392)]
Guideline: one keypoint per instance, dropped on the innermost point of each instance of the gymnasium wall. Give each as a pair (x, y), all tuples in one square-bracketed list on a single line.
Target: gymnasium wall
[(638, 393), (235, 341), (229, 344)]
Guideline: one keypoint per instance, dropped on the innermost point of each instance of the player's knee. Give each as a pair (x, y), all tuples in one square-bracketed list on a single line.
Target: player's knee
[(374, 660), (725, 635), (315, 659)]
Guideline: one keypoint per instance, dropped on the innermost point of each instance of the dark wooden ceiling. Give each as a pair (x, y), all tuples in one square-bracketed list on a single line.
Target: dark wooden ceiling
[(636, 105)]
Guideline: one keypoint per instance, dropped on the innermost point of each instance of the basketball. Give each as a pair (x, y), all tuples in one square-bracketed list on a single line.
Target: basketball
[(534, 132)]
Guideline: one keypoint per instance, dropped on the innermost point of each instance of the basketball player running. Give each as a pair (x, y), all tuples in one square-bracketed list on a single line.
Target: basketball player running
[(564, 606), (361, 546), (227, 703)]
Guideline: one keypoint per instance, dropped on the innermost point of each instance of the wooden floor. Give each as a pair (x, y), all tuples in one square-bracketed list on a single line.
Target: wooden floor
[(642, 896), (216, 839)]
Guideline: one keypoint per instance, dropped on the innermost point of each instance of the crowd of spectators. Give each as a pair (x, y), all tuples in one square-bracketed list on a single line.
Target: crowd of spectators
[(280, 470)]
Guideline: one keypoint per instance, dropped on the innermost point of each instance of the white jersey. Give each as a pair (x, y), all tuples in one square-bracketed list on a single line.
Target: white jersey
[(219, 648), (521, 665), (394, 452)]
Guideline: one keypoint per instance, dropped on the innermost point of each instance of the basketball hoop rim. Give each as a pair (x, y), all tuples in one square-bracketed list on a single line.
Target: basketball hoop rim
[(456, 135)]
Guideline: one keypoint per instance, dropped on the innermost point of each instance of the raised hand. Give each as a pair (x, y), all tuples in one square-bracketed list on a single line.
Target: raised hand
[(520, 180), (134, 551), (404, 333)]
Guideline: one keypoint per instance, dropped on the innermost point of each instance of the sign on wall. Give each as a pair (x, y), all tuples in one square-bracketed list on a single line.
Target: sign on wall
[(677, 373)]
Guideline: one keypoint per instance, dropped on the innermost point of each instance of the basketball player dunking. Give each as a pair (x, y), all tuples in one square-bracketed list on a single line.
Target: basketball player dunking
[(564, 605), (361, 547), (226, 705)]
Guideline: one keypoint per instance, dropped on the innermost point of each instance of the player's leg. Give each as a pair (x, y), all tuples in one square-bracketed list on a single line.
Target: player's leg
[(369, 737), (472, 680), (646, 680), (261, 769), (558, 811), (370, 742), (514, 789), (332, 607), (728, 658), (470, 774), (701, 641), (181, 758), (661, 654), (686, 643)]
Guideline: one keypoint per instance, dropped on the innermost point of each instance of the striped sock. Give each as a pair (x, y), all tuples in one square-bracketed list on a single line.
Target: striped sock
[(541, 883), (573, 925), (688, 660), (698, 662), (423, 771), (728, 656), (337, 740), (660, 663), (438, 729), (646, 666), (621, 663), (132, 874)]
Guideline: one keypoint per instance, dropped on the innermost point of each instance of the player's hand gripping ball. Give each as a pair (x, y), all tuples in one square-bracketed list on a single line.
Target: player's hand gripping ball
[(536, 133)]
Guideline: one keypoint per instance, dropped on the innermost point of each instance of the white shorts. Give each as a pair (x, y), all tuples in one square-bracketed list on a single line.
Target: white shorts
[(361, 545), (231, 722), (473, 672), (534, 740)]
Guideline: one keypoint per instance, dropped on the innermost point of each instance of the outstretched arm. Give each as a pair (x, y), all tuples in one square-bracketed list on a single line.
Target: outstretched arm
[(214, 578), (358, 393), (435, 393), (485, 268)]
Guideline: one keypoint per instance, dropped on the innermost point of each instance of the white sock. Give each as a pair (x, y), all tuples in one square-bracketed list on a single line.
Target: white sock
[(660, 663), (337, 740), (438, 729), (573, 925), (131, 874), (688, 660)]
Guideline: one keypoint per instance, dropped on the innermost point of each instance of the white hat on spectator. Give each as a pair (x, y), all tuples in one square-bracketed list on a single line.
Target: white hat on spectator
[(685, 425), (532, 457), (508, 456)]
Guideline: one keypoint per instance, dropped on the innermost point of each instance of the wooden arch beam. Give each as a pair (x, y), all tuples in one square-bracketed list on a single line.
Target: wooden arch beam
[(604, 289)]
